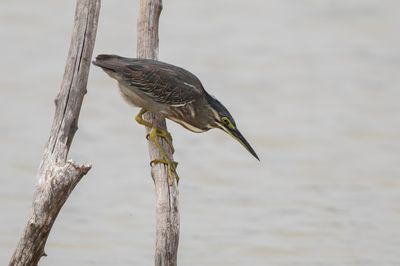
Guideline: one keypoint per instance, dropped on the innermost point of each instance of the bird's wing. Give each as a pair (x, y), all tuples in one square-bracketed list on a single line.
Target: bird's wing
[(162, 82)]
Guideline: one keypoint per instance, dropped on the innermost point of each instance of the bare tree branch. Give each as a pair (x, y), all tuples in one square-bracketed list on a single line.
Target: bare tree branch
[(57, 177), (167, 211)]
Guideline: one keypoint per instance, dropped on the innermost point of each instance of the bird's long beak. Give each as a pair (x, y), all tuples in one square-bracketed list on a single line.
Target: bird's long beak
[(235, 133)]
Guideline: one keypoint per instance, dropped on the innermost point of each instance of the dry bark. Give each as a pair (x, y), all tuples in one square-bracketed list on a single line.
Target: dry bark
[(56, 176), (167, 211)]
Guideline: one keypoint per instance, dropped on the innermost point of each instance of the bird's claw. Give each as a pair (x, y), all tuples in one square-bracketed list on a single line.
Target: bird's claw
[(171, 170), (162, 134)]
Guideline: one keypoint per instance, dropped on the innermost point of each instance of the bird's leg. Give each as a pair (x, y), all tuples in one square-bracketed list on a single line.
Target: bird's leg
[(160, 132), (140, 120), (170, 164), (152, 136), (166, 136)]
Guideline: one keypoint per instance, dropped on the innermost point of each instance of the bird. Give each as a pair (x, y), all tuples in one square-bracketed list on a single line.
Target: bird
[(173, 93)]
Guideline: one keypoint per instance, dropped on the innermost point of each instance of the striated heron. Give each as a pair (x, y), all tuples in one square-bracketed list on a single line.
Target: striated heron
[(171, 92)]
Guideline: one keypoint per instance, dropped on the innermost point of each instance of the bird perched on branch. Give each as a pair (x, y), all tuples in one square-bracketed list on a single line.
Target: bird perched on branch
[(171, 92)]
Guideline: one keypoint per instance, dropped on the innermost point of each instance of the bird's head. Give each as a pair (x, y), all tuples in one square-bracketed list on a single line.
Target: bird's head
[(224, 120)]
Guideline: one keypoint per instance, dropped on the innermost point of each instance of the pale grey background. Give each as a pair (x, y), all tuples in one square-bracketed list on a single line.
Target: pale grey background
[(313, 85)]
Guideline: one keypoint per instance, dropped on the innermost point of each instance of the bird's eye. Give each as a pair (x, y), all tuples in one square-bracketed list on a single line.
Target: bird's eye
[(227, 122)]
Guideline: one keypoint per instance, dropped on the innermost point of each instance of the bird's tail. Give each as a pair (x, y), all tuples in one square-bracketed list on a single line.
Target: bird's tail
[(108, 62)]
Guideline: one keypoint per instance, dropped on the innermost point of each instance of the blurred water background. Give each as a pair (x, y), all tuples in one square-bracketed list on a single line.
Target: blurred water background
[(313, 85)]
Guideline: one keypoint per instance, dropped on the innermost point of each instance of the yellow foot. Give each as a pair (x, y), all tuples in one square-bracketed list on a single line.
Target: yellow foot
[(163, 134), (171, 170), (159, 132), (154, 133)]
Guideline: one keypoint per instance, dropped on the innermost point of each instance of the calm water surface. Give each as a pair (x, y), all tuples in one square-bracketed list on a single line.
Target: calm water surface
[(313, 85)]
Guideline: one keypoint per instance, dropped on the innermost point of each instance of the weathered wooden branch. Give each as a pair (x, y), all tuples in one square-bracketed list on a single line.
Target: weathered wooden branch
[(57, 177), (167, 211)]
